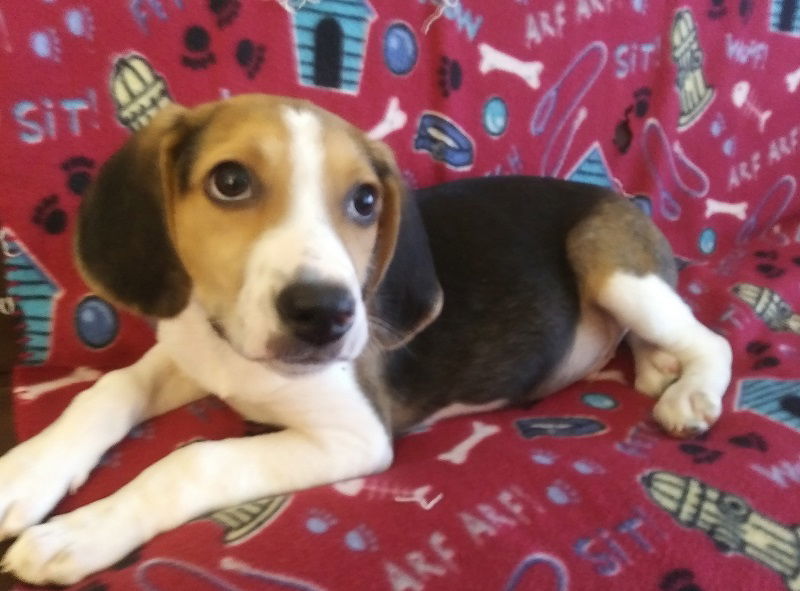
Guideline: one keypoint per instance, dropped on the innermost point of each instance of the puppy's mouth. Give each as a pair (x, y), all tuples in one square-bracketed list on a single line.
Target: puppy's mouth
[(293, 367), (287, 355)]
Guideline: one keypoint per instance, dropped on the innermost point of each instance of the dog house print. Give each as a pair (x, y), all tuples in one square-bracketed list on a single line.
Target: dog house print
[(778, 400), (784, 16), (34, 293), (331, 40), (592, 168)]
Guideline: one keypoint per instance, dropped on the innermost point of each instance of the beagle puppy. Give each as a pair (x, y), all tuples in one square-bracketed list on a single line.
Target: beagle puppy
[(293, 277)]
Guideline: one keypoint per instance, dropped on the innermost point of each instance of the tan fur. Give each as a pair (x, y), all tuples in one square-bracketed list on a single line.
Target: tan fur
[(212, 239), (389, 225), (347, 166), (617, 236)]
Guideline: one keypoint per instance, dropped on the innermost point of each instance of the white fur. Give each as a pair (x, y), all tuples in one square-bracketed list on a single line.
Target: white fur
[(597, 337), (304, 242), (657, 315), (656, 369), (332, 434)]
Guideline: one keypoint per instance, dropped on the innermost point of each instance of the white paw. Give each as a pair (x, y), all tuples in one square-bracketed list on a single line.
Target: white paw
[(656, 370), (687, 409), (33, 478), (69, 547)]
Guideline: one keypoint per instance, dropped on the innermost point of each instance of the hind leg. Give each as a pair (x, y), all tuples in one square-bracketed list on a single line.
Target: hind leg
[(625, 266), (656, 369), (656, 314)]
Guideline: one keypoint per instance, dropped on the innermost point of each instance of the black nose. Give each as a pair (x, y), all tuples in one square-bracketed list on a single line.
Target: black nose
[(317, 313)]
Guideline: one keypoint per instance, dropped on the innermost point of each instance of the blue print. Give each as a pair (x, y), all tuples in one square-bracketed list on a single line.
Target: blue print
[(559, 427)]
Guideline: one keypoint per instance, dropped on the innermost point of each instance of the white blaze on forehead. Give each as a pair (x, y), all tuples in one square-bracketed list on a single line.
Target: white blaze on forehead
[(314, 244), (306, 159)]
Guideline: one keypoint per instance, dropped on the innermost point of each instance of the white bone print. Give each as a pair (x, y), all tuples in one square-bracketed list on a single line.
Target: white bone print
[(494, 59), (460, 453)]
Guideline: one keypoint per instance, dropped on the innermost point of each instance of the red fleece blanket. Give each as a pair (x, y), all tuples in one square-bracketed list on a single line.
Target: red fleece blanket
[(688, 108)]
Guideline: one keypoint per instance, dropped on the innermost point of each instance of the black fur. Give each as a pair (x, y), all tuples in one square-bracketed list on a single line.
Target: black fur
[(409, 293), (186, 155), (511, 300), (123, 243)]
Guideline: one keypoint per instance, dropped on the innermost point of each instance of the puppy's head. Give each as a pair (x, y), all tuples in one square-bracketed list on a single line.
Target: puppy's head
[(278, 218)]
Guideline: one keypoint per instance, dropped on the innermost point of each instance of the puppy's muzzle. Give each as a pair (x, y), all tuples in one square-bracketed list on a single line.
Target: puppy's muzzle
[(316, 313)]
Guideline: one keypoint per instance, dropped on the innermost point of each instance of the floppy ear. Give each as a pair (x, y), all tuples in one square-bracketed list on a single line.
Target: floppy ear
[(403, 294), (123, 247)]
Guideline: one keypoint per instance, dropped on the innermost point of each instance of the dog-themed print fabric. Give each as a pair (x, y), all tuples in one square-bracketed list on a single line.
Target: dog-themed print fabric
[(690, 109)]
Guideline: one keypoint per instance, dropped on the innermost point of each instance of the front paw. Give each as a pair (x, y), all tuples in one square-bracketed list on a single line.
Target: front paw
[(33, 478), (72, 546)]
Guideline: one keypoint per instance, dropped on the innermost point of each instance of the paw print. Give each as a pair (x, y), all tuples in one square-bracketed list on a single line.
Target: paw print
[(700, 454), (695, 448), (225, 11), (717, 10), (746, 8), (50, 216), (641, 99), (587, 467), (79, 22), (320, 521), (79, 173), (197, 42), (679, 579), (717, 127), (250, 56), (750, 440), (623, 135), (450, 75), (544, 457), (562, 493), (768, 269), (361, 539), (46, 44), (759, 349)]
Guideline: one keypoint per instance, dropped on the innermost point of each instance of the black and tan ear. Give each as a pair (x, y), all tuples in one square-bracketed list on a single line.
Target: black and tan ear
[(403, 294), (122, 246)]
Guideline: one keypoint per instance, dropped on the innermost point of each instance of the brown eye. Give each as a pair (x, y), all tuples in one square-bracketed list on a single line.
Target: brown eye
[(228, 182), (362, 204)]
